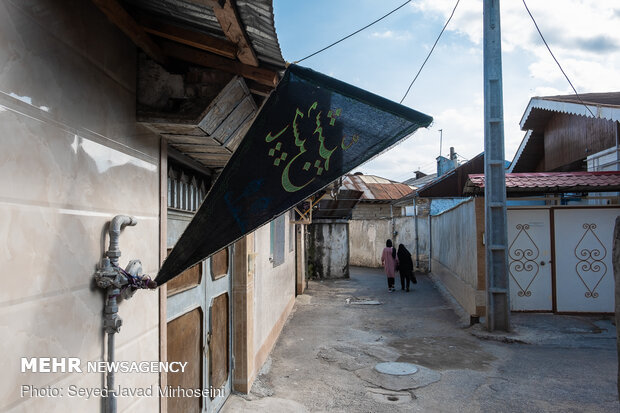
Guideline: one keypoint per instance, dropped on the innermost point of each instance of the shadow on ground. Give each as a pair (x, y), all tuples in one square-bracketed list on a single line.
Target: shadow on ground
[(326, 355)]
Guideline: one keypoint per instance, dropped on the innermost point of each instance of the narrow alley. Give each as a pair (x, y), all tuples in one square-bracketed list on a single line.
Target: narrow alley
[(341, 329)]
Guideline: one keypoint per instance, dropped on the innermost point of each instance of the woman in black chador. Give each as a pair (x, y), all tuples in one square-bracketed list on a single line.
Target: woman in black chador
[(405, 266)]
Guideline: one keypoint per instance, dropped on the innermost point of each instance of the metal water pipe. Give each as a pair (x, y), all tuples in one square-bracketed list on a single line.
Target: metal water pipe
[(117, 282), (116, 225)]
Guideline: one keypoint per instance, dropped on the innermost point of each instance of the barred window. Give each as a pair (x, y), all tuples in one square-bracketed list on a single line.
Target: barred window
[(276, 238), (186, 188), (291, 231)]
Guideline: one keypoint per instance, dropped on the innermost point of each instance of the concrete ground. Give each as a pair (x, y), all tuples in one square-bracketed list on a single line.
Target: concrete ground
[(325, 358)]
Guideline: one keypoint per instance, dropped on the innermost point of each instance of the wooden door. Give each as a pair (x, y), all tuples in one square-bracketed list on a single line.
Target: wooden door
[(219, 343), (218, 287), (185, 345)]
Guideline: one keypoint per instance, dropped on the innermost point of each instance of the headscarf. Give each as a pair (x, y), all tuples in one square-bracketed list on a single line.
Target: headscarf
[(404, 256), (403, 250)]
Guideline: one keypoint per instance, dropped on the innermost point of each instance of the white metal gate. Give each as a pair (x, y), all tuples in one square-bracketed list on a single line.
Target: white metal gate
[(529, 256), (560, 259), (584, 267)]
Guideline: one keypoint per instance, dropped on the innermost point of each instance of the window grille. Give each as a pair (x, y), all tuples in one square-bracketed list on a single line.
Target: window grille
[(186, 188), (277, 240)]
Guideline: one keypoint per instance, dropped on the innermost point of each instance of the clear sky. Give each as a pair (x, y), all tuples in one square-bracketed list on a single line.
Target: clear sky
[(583, 34)]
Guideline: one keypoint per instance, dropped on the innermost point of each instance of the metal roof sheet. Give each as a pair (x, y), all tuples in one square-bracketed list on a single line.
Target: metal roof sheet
[(602, 105), (551, 182), (256, 16), (420, 183), (375, 188), (610, 99)]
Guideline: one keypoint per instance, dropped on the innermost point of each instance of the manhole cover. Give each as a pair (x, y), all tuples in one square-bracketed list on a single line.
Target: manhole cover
[(362, 302), (396, 369)]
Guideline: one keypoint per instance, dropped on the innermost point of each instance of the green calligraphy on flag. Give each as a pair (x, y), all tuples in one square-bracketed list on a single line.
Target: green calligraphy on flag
[(310, 131)]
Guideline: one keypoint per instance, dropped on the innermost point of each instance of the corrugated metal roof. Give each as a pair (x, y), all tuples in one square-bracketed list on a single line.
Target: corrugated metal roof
[(187, 14), (551, 182), (602, 105), (375, 188), (420, 183), (256, 17), (371, 179), (610, 99)]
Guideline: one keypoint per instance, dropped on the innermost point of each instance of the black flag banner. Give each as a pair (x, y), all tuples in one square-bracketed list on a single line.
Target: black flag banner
[(311, 130)]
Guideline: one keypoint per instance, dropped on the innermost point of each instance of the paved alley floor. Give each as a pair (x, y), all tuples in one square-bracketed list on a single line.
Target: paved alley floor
[(326, 355)]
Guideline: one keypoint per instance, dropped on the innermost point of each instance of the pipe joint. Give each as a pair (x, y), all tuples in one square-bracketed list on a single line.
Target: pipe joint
[(116, 225)]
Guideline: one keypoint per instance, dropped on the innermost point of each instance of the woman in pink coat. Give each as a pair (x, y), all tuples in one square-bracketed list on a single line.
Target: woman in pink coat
[(389, 262)]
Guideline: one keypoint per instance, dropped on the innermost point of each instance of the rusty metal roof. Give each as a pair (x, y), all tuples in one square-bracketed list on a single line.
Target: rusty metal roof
[(550, 182), (256, 16), (375, 188)]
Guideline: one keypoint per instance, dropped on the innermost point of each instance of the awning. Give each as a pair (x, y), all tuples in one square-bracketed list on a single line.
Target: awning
[(339, 208), (550, 182), (311, 130)]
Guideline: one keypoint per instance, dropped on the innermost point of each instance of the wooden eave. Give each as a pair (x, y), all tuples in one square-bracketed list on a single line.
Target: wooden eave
[(217, 132), (234, 55), (211, 138), (229, 20)]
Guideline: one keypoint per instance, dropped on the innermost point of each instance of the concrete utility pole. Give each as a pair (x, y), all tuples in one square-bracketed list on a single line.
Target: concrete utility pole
[(496, 239)]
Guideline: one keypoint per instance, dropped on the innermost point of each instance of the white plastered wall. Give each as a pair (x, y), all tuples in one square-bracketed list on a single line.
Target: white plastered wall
[(71, 158), (274, 291)]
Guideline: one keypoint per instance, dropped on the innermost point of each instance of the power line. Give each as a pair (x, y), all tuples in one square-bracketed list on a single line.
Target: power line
[(556, 60), (354, 33), (431, 51)]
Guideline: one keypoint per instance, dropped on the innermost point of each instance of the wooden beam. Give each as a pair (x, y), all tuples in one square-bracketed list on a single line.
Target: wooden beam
[(188, 37), (263, 76), (259, 89), (119, 17), (226, 14)]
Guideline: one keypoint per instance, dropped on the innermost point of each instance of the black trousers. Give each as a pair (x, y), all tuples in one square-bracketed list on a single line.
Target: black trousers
[(390, 282), (405, 276)]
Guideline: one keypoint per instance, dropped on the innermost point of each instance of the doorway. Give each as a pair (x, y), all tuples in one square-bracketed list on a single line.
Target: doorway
[(560, 259)]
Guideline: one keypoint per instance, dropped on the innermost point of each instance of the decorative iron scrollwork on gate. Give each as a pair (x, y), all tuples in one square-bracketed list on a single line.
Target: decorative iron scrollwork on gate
[(523, 253), (590, 252)]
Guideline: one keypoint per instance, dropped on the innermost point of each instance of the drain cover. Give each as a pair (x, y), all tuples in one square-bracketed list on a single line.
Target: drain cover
[(396, 369)]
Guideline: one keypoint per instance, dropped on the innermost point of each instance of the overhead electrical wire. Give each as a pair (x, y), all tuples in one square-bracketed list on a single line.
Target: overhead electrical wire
[(352, 34), (431, 51), (556, 60)]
